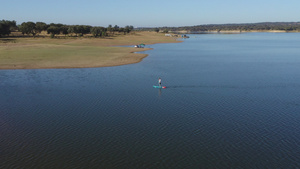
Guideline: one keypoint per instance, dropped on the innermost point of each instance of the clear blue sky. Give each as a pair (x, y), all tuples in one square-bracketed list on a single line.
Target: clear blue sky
[(150, 13)]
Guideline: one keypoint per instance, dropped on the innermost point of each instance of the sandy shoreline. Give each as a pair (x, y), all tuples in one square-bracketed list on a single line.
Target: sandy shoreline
[(127, 58), (46, 53)]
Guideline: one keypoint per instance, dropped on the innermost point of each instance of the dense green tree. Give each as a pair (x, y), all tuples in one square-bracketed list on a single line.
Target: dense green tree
[(53, 30), (81, 29), (28, 28), (72, 29), (40, 26), (13, 25), (86, 29), (97, 31), (116, 28), (6, 27), (56, 24), (128, 29), (64, 30), (122, 30), (76, 29), (110, 28)]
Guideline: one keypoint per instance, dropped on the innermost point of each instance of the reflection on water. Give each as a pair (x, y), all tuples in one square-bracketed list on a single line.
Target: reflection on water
[(159, 92), (231, 101)]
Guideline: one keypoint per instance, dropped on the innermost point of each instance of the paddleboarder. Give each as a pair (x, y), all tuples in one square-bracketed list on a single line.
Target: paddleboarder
[(159, 81)]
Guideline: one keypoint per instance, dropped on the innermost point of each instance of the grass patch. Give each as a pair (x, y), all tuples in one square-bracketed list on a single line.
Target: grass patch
[(33, 53)]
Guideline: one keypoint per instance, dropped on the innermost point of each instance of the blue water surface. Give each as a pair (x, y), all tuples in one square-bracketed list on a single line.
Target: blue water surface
[(232, 101)]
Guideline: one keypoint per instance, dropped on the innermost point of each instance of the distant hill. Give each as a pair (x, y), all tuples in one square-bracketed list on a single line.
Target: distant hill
[(245, 27)]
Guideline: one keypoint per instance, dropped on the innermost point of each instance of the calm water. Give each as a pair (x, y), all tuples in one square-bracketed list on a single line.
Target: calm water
[(233, 101)]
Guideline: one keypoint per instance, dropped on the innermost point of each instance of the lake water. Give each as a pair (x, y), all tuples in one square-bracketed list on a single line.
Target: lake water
[(232, 101)]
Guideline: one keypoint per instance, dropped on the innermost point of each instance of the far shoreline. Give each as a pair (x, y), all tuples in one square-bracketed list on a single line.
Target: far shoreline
[(233, 31)]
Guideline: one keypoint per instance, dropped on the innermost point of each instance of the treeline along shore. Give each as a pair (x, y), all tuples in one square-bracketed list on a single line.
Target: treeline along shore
[(39, 45), (35, 29)]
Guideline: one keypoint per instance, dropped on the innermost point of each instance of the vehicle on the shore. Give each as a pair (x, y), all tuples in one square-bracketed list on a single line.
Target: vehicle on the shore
[(185, 36), (140, 45)]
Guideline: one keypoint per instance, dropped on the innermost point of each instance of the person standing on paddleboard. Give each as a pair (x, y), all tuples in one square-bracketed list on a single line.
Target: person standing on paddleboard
[(159, 81)]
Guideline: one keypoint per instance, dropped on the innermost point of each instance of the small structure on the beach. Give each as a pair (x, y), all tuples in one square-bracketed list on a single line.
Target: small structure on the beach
[(185, 36), (140, 45)]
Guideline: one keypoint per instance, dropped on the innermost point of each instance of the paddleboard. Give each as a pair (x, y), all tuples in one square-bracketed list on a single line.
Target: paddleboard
[(160, 87)]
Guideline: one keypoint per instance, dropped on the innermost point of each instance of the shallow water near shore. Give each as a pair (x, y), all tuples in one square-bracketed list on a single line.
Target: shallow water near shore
[(232, 101)]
